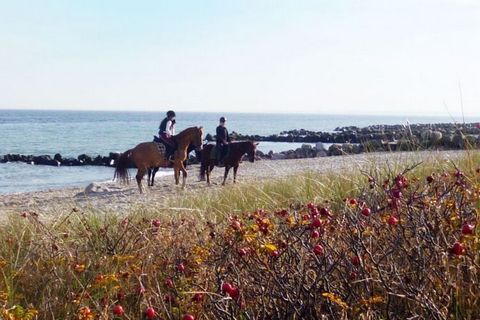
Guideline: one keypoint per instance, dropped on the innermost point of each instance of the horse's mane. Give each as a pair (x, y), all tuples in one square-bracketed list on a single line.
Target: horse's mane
[(237, 144), (185, 132)]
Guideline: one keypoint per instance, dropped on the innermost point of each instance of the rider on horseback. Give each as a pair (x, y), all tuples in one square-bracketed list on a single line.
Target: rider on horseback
[(166, 133), (223, 139)]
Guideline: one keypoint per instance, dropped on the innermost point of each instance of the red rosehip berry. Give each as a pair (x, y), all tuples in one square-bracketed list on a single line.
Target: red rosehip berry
[(430, 179), (226, 287), (392, 220), (120, 295), (150, 313), (366, 211), (318, 250), (315, 234), (118, 310), (353, 202), (468, 228), (234, 293), (325, 212), (188, 317), (396, 193), (197, 297), (168, 283), (181, 267), (316, 223), (457, 249), (156, 223), (355, 260), (314, 212)]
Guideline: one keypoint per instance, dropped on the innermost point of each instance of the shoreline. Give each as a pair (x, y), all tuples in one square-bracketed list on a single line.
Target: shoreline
[(112, 196), (342, 140)]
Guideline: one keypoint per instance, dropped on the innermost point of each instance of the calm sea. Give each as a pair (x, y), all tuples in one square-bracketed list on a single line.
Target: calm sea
[(71, 133)]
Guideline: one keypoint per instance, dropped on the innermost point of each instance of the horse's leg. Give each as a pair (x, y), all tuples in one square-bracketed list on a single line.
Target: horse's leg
[(209, 171), (149, 174), (227, 169), (203, 170), (176, 170), (140, 173), (184, 174), (235, 173), (155, 170)]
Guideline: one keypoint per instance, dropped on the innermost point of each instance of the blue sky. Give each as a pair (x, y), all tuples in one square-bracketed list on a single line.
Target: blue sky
[(350, 57)]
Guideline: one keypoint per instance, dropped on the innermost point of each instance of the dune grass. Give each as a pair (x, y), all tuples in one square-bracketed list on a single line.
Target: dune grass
[(80, 264)]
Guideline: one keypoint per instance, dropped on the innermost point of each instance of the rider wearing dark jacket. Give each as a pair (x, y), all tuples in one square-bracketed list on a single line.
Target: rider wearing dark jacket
[(223, 139), (167, 131)]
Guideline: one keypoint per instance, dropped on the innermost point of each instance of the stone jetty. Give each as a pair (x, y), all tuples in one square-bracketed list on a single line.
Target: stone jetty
[(341, 141)]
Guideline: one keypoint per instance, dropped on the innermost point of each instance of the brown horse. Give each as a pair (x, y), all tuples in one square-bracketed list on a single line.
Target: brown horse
[(236, 151), (147, 155), (153, 171)]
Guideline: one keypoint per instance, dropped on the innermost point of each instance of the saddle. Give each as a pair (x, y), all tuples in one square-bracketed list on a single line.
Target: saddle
[(162, 148), (213, 156)]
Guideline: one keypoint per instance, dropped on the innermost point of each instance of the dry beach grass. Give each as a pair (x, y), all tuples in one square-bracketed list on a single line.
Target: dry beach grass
[(376, 236), (109, 196)]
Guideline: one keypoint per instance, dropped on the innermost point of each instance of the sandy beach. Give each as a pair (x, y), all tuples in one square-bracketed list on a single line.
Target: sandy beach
[(115, 196)]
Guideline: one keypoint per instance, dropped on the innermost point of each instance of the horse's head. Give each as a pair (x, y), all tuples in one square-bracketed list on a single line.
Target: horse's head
[(191, 137), (251, 151), (198, 138)]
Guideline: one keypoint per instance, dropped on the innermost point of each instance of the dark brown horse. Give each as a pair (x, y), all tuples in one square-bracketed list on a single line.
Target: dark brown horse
[(235, 153), (148, 155)]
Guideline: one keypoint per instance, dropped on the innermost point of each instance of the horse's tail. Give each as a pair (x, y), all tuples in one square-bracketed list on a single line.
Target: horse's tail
[(121, 170)]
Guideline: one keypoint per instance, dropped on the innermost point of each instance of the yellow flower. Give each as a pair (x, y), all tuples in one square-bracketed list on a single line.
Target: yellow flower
[(270, 247), (335, 299), (118, 258), (85, 314), (199, 254), (368, 232), (250, 236), (79, 267)]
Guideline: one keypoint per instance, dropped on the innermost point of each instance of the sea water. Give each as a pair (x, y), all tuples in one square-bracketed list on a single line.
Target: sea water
[(72, 133)]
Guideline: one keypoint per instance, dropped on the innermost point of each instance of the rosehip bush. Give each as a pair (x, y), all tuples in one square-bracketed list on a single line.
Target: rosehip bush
[(404, 247)]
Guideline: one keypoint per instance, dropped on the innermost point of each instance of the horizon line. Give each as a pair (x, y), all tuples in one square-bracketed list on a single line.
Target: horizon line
[(450, 115)]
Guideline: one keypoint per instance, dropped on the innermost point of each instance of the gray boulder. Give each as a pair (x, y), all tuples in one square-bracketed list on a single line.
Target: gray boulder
[(335, 150), (322, 153), (85, 159), (320, 146), (278, 156)]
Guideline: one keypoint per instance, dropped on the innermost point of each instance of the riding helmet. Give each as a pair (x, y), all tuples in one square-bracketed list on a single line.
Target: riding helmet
[(223, 119), (171, 114)]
